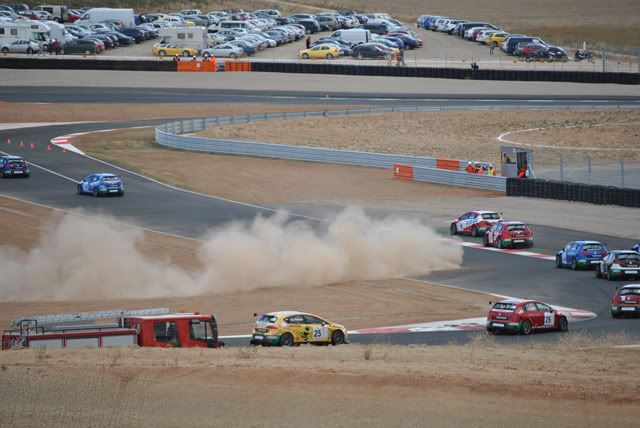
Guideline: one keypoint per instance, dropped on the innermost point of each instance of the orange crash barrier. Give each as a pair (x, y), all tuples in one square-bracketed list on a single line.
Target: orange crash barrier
[(237, 66), (402, 171), (450, 164), (206, 65)]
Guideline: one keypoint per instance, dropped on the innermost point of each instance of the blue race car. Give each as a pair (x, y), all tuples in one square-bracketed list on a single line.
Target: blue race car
[(101, 184), (581, 254), (14, 166)]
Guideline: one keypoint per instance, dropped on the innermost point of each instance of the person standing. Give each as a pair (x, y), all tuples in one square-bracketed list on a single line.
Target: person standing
[(491, 48), (308, 42)]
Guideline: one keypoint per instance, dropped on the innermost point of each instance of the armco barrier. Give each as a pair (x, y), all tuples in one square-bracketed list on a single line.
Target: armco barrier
[(562, 190), (413, 167)]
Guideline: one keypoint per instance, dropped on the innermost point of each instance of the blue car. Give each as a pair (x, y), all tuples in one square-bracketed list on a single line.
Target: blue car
[(581, 254), (636, 247), (101, 184), (14, 166)]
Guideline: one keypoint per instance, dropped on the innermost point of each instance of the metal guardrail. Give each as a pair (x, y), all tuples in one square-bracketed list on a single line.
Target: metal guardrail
[(172, 135)]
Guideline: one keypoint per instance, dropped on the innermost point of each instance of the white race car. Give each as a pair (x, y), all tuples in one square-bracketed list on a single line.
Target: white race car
[(475, 223)]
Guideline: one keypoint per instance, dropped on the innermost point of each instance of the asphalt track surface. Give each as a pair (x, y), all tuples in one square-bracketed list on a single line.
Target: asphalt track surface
[(158, 207)]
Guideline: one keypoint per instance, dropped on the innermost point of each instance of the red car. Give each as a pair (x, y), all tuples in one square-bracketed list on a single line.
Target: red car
[(524, 317), (626, 301), (475, 223), (509, 234)]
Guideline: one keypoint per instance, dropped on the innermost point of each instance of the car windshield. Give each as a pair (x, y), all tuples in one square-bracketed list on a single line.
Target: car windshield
[(630, 291), (491, 216), (267, 319), (592, 247), (15, 162), (517, 227), (501, 306)]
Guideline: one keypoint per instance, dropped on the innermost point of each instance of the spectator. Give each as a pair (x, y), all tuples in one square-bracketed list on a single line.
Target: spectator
[(308, 42), (523, 173), (491, 47), (491, 170), (176, 58), (475, 66), (400, 58), (471, 169), (56, 46)]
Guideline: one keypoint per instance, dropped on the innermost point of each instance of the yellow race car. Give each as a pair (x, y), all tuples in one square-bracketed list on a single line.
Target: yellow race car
[(496, 39), (291, 328), (320, 52), (168, 49)]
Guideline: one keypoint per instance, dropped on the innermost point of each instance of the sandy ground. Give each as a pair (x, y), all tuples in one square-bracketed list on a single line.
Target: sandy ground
[(482, 384), (458, 135), (303, 82), (357, 304)]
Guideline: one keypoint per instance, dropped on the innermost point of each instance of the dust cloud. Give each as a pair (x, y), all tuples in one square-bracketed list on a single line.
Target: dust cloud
[(85, 259)]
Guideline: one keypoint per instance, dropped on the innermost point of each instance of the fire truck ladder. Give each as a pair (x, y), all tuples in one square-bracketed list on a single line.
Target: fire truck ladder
[(33, 322)]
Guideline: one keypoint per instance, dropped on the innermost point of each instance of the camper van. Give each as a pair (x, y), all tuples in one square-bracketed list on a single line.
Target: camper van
[(99, 14), (185, 37), (58, 13), (57, 31), (23, 30)]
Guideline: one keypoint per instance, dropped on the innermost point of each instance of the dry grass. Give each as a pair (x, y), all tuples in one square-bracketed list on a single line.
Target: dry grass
[(458, 135)]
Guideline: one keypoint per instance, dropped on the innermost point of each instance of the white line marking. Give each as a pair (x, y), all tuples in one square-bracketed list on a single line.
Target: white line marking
[(43, 168)]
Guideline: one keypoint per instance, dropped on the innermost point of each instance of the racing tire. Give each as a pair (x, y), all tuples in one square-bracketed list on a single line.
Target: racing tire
[(337, 338), (491, 331), (501, 245), (485, 241), (474, 232), (525, 328), (609, 277), (563, 324), (26, 176), (574, 265), (286, 340), (305, 56), (453, 230), (5, 49), (162, 53), (558, 262), (615, 314)]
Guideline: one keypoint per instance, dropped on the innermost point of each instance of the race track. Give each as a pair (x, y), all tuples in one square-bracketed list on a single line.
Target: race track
[(162, 208)]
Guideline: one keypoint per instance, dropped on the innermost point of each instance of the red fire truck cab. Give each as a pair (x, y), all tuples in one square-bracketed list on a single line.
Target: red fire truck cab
[(147, 327)]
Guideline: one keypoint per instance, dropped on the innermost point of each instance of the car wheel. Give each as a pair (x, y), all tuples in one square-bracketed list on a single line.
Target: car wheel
[(5, 50), (186, 54), (79, 189), (29, 51), (558, 262), (615, 314), (500, 244), (337, 338), (162, 53), (485, 241), (574, 264), (474, 232), (87, 52), (525, 328), (453, 230), (286, 340), (233, 55), (609, 276), (329, 56), (491, 331), (563, 324), (305, 56)]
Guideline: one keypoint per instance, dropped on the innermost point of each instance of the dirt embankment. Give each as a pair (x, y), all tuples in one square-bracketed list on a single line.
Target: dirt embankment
[(483, 384)]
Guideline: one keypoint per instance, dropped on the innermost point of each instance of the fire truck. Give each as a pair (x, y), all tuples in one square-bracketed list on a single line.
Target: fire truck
[(147, 327)]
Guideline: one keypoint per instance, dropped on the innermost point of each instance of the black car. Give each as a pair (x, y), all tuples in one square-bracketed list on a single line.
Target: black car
[(81, 46), (512, 42), (109, 43), (377, 28), (123, 40), (368, 52), (311, 26), (14, 166)]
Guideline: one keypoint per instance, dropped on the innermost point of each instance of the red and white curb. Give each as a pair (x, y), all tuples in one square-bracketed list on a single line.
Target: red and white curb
[(63, 140), (506, 251)]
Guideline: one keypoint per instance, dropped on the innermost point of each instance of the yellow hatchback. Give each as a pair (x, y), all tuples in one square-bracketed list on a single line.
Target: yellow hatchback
[(168, 49), (291, 328), (496, 39), (320, 52)]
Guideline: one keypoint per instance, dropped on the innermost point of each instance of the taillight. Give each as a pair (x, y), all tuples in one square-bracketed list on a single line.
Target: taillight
[(585, 253)]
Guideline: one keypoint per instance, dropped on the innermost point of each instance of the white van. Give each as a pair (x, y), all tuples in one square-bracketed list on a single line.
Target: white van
[(185, 37), (58, 13), (99, 14), (353, 36)]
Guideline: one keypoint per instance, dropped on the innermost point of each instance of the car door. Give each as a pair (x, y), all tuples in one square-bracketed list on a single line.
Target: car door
[(319, 329), (547, 315), (295, 324), (495, 234), (463, 221), (563, 255), (85, 183), (532, 313)]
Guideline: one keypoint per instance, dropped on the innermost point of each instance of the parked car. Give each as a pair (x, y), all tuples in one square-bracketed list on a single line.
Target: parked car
[(85, 46), (164, 49), (369, 51), (524, 317), (509, 45), (14, 166), (311, 26), (224, 50), (20, 46), (101, 184), (619, 264), (581, 254), (323, 51)]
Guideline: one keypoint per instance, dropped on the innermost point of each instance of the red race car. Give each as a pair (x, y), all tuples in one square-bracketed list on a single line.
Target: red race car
[(475, 223), (524, 317), (509, 234), (626, 301)]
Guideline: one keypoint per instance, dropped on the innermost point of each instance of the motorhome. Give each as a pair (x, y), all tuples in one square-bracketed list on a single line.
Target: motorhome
[(185, 37), (23, 30), (100, 14)]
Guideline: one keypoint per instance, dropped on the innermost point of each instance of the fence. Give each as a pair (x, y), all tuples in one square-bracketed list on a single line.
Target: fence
[(601, 195), (425, 168)]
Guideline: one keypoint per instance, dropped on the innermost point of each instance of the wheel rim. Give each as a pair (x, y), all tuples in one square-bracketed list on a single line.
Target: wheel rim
[(186, 54), (564, 325), (329, 56), (286, 340), (162, 53), (337, 338), (526, 327), (305, 56)]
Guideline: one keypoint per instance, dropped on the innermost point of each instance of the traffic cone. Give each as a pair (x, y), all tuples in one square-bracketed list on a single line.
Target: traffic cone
[(32, 146), (49, 148), (21, 144)]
